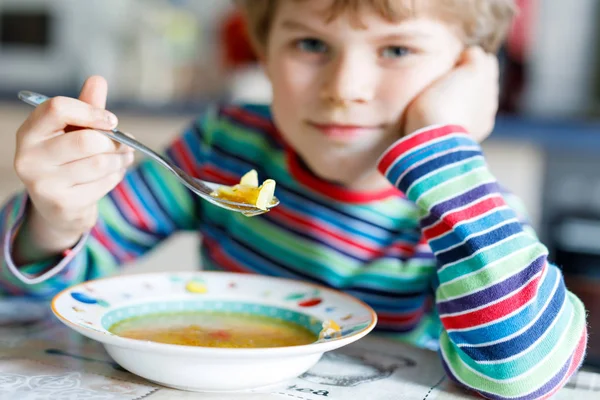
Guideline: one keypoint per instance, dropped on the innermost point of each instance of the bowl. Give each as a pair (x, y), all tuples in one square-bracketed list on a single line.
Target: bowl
[(91, 308)]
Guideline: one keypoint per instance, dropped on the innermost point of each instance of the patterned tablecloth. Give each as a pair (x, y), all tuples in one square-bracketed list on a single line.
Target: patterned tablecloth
[(42, 359)]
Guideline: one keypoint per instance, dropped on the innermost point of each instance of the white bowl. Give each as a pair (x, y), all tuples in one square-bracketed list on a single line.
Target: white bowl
[(93, 307)]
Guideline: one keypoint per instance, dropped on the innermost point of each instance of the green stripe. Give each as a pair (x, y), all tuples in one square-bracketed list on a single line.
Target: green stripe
[(448, 190), (534, 355), (489, 274), (486, 256), (442, 176), (111, 216), (315, 260), (538, 375), (171, 194)]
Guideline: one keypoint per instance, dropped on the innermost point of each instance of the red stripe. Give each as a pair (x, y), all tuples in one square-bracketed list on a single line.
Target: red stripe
[(222, 259), (311, 227), (251, 120), (325, 188), (185, 160), (131, 209), (400, 318), (406, 248), (410, 142), (111, 246), (447, 223), (214, 174), (494, 311), (332, 190)]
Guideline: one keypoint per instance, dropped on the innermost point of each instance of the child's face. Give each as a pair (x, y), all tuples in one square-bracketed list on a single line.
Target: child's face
[(340, 90)]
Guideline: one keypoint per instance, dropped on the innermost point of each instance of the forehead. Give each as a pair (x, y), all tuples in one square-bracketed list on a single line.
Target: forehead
[(365, 16), (393, 11)]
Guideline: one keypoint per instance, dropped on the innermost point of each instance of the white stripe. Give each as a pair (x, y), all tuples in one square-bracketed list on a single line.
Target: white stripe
[(489, 266), (458, 194), (525, 327), (506, 296), (475, 234), (447, 182), (405, 138), (528, 372), (461, 208), (443, 169), (468, 221), (479, 251), (431, 157)]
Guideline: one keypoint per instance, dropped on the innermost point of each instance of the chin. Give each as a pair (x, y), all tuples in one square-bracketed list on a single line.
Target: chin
[(335, 171)]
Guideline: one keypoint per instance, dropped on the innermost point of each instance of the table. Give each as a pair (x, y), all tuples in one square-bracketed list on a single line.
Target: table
[(42, 359)]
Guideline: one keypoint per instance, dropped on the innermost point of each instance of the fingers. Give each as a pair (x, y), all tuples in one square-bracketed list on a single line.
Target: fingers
[(76, 145), (95, 168), (94, 91), (56, 114), (89, 193)]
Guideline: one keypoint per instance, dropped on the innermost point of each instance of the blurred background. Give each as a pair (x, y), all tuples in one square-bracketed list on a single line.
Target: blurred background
[(165, 60)]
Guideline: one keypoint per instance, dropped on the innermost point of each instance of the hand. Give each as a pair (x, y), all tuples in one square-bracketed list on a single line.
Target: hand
[(466, 96), (67, 169)]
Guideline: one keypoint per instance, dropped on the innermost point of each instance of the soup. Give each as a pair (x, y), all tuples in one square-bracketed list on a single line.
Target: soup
[(213, 329)]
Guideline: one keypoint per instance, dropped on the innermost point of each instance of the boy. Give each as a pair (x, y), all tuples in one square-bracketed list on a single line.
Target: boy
[(377, 109)]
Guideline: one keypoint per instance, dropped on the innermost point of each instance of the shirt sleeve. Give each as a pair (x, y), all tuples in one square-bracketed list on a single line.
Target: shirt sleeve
[(148, 206), (511, 330)]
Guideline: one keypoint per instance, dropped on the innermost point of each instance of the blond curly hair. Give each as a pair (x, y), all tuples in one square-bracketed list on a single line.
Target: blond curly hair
[(482, 22)]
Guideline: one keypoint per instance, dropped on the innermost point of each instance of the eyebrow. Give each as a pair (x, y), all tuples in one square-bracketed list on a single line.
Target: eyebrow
[(409, 34), (299, 26), (296, 26)]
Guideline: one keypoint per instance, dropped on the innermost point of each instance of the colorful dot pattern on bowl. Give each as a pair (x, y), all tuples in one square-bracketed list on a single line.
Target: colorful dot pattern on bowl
[(99, 304)]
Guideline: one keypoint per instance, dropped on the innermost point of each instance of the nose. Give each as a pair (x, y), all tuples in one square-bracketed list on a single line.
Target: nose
[(348, 81)]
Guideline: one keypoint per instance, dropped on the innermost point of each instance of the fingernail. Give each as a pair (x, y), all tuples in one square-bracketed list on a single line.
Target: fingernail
[(111, 119)]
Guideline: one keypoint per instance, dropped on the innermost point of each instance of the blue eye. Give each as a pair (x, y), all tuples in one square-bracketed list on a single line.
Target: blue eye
[(395, 52), (311, 45)]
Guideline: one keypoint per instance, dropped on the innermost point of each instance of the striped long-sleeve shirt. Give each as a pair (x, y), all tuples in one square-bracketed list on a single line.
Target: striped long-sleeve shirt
[(443, 257)]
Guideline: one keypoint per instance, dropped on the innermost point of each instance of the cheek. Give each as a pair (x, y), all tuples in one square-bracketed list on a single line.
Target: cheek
[(292, 82), (400, 87)]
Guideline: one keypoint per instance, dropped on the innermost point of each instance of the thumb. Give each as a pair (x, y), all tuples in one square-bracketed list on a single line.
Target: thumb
[(94, 91)]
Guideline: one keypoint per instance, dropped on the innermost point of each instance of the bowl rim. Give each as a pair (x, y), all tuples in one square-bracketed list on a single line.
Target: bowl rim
[(218, 352)]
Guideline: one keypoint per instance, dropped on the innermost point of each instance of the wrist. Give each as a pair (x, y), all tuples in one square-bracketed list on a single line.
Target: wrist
[(37, 239)]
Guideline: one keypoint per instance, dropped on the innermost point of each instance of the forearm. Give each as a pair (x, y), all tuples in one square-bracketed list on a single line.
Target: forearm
[(36, 240), (511, 327)]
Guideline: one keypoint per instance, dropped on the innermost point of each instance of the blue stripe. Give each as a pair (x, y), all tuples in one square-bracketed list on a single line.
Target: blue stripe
[(431, 166), (414, 156), (126, 244), (444, 176), (519, 343), (335, 211), (163, 225), (193, 139), (494, 292), (458, 201), (487, 256), (463, 229), (479, 242), (252, 259), (120, 211), (509, 326), (316, 212)]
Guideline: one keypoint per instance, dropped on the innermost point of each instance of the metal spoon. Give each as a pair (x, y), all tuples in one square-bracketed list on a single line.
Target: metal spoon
[(202, 188)]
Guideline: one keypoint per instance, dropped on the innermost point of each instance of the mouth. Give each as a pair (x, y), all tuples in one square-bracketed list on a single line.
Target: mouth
[(344, 131)]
